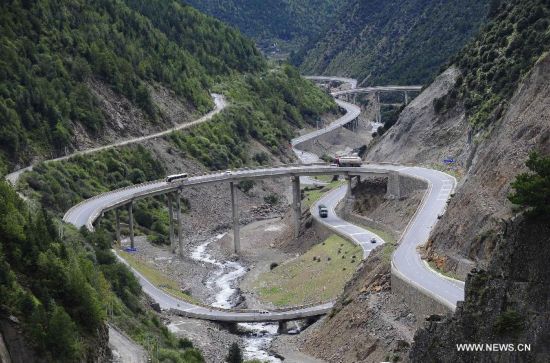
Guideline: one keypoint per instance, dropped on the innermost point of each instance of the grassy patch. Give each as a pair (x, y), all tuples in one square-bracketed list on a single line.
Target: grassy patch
[(313, 195), (387, 252), (156, 277), (306, 279)]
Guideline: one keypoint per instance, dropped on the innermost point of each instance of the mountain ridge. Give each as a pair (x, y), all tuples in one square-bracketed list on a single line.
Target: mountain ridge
[(390, 42)]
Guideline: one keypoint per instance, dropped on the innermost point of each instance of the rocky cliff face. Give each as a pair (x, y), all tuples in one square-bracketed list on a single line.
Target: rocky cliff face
[(475, 214), (508, 303), (420, 135)]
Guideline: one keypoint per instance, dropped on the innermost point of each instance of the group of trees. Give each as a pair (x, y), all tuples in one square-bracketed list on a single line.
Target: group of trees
[(51, 285), (266, 107), (51, 49), (63, 288), (60, 185), (393, 42), (532, 189), (292, 22), (492, 65)]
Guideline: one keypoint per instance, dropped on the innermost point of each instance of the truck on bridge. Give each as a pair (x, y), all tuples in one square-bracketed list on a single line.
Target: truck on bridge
[(353, 160)]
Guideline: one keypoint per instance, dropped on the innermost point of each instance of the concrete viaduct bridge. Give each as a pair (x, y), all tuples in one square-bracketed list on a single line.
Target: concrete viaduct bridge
[(406, 260), (90, 211), (350, 94)]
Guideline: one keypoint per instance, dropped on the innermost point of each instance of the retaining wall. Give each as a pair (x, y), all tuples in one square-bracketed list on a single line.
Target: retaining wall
[(408, 184), (421, 302)]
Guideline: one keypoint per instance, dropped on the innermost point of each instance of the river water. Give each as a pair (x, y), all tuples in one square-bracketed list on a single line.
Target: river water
[(257, 337)]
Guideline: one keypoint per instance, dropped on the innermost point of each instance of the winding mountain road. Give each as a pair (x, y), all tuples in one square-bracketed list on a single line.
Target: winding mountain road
[(219, 105), (406, 260)]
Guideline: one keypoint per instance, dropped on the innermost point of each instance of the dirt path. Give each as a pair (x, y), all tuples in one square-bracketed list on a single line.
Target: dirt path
[(219, 101)]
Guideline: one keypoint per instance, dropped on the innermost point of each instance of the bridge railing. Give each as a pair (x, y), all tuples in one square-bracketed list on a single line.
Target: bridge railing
[(295, 308)]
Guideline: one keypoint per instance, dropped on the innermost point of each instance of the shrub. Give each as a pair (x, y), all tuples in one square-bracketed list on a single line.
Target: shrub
[(532, 190), (271, 199), (246, 185), (509, 323), (235, 355)]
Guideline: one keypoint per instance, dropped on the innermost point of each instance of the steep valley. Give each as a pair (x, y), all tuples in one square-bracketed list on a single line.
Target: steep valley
[(77, 75)]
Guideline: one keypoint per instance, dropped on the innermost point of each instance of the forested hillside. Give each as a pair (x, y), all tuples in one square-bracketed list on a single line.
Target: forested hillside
[(290, 23), (51, 50), (60, 290), (493, 64), (393, 42), (59, 287), (264, 108)]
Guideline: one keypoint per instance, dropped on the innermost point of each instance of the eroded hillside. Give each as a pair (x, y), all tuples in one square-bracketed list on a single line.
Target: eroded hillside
[(489, 145)]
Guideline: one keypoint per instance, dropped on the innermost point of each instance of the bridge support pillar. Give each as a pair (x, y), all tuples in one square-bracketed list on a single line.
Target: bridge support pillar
[(180, 224), (406, 98), (283, 327), (348, 192), (170, 201), (296, 204), (378, 108), (393, 189), (131, 223), (236, 227), (117, 225)]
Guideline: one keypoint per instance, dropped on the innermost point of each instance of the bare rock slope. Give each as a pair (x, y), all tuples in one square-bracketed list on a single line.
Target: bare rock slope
[(465, 237), (422, 136)]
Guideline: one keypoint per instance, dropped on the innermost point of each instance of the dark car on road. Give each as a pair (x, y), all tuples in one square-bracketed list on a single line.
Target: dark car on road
[(323, 211)]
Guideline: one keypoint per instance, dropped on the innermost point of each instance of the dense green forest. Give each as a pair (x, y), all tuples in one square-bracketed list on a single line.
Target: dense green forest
[(393, 42), (289, 23), (266, 107), (62, 289), (51, 49), (494, 63)]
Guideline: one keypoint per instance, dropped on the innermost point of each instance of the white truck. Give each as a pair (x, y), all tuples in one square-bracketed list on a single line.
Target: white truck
[(354, 161)]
